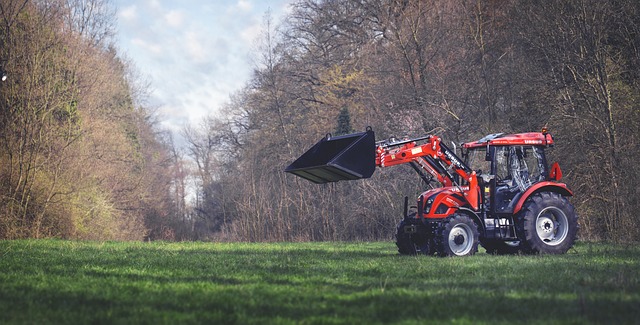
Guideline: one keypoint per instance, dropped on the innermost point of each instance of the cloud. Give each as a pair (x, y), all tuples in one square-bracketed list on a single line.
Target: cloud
[(154, 4), (195, 47), (128, 13), (148, 46), (191, 106), (244, 5), (174, 18), (250, 33)]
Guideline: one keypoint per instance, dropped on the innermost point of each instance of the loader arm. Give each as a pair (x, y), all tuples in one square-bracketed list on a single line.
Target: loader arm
[(434, 158)]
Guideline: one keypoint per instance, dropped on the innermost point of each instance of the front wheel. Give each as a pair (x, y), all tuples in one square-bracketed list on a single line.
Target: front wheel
[(412, 243), (458, 236), (549, 224)]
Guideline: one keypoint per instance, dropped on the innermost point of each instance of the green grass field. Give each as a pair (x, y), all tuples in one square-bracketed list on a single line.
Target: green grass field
[(70, 282)]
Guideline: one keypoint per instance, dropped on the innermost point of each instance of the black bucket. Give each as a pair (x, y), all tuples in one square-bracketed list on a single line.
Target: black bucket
[(345, 157)]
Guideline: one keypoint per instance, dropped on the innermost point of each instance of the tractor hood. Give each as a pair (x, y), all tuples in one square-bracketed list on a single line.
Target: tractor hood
[(439, 202)]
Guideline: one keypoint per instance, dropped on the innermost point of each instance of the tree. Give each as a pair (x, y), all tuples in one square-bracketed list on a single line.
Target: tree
[(78, 157), (344, 122)]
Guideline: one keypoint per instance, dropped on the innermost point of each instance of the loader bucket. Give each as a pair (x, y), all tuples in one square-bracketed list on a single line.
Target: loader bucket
[(345, 157)]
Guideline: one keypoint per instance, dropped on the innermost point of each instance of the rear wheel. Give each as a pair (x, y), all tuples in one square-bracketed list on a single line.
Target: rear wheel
[(549, 224), (458, 236)]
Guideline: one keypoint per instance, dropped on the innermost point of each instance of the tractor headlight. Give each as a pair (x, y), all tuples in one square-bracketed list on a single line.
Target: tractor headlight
[(427, 205)]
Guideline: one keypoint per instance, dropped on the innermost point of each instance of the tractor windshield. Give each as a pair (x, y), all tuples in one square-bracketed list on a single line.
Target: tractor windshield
[(476, 160)]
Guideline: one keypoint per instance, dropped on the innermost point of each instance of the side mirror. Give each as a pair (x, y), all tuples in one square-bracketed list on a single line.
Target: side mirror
[(555, 173)]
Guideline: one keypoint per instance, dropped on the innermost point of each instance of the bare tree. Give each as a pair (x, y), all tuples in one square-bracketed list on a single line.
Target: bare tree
[(92, 19), (588, 48)]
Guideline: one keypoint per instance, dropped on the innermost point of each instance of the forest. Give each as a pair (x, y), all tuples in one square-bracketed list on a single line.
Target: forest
[(82, 157)]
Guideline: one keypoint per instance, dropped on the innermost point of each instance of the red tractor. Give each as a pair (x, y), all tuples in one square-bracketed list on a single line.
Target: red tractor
[(502, 195)]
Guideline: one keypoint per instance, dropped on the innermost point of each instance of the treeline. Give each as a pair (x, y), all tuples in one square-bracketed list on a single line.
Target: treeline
[(79, 156), (458, 69)]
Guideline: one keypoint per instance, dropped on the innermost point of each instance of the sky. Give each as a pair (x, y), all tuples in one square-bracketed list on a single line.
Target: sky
[(193, 53)]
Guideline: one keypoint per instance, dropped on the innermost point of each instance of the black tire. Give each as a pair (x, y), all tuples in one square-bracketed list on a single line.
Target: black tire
[(500, 247), (458, 236), (412, 244), (548, 224)]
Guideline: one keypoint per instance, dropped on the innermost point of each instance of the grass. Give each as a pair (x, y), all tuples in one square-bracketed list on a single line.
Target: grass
[(60, 282)]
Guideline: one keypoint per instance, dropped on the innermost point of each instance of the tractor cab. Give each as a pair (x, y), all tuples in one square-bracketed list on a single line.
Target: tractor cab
[(507, 166)]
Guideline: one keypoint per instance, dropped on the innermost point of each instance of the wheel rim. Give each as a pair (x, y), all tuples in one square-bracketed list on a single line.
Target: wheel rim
[(460, 241), (551, 226)]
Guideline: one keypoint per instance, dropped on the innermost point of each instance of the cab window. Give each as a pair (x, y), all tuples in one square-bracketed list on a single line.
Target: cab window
[(519, 166), (476, 160)]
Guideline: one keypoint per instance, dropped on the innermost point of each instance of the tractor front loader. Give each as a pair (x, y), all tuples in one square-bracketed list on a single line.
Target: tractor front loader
[(501, 195)]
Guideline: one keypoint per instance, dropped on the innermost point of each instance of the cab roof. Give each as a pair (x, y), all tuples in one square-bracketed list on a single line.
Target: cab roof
[(500, 139)]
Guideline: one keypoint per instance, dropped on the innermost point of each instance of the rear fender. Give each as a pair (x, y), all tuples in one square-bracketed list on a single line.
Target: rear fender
[(559, 188)]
